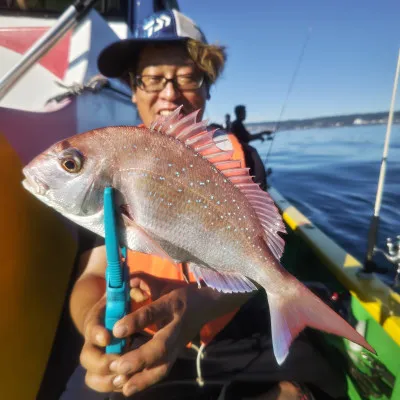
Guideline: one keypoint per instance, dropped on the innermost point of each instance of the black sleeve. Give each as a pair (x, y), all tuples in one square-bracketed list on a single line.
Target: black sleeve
[(256, 165), (88, 240), (240, 132)]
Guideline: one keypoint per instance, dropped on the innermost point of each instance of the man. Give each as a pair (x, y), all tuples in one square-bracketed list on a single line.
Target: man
[(253, 159), (228, 122), (239, 129), (168, 68)]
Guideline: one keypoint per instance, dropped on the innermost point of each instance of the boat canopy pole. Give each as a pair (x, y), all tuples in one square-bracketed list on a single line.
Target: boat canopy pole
[(369, 265), (71, 16)]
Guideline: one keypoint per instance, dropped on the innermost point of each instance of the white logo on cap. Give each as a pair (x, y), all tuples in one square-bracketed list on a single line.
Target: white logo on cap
[(157, 24)]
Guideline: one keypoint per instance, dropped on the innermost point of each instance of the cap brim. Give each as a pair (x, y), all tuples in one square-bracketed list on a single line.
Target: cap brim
[(116, 58)]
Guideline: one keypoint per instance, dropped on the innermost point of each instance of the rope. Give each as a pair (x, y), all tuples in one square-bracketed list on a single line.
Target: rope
[(200, 355)]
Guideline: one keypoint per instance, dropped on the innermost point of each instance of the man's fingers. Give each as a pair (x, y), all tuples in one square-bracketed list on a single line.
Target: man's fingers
[(148, 284), (138, 295), (97, 334), (100, 383), (157, 350), (94, 360), (142, 318), (138, 282), (144, 379), (95, 318), (94, 330), (120, 381), (97, 310)]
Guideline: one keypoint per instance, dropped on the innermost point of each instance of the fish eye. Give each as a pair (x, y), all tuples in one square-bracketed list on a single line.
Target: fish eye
[(71, 161)]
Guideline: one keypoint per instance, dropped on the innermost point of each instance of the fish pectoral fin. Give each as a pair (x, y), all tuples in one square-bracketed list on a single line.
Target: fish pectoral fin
[(144, 243), (225, 282)]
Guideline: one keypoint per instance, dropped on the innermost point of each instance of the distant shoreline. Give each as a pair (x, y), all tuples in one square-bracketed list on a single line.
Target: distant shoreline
[(378, 118)]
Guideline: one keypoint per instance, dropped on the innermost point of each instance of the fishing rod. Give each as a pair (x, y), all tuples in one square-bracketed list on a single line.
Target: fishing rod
[(288, 93), (369, 265), (69, 18)]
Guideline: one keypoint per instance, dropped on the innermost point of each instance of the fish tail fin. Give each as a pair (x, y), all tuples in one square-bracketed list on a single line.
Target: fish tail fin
[(298, 308)]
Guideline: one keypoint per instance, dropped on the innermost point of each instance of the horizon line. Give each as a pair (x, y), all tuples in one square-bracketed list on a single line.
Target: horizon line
[(323, 116)]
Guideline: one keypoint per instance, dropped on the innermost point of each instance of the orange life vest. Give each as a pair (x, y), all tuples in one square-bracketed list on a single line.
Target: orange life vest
[(161, 268)]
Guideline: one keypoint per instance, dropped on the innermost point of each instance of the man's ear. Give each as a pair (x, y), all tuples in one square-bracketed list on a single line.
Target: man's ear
[(134, 97)]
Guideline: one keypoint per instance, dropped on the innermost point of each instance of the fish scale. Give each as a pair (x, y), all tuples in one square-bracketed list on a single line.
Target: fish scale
[(185, 200)]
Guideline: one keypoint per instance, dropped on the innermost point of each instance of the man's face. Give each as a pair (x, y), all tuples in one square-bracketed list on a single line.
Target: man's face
[(167, 61)]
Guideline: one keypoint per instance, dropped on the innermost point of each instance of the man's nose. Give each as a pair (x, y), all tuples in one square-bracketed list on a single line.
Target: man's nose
[(170, 91)]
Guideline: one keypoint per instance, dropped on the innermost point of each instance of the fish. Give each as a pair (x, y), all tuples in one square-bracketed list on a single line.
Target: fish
[(183, 197)]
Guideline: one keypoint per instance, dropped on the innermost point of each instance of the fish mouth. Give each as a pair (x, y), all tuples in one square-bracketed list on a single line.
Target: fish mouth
[(34, 185)]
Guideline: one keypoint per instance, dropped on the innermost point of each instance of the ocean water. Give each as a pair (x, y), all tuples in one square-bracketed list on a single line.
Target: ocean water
[(331, 176)]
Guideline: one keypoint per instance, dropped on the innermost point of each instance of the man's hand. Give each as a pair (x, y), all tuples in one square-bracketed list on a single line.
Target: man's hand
[(179, 310), (266, 134), (144, 286), (93, 359), (98, 376), (177, 315)]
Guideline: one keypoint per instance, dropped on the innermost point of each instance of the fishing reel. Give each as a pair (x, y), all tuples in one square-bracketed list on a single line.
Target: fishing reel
[(393, 256)]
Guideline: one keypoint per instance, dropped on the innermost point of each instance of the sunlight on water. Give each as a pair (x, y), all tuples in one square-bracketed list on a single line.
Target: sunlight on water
[(331, 175)]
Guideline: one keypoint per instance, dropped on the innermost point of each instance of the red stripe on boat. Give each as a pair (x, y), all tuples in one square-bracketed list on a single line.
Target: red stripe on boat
[(20, 39), (30, 133)]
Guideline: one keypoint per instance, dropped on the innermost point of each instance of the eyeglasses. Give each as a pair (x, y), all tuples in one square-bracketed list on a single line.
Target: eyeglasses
[(156, 83)]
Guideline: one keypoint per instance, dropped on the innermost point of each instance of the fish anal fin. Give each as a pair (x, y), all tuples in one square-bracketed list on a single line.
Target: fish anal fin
[(228, 282), (141, 241)]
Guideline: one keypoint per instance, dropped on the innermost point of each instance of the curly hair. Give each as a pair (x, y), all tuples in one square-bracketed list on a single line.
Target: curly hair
[(209, 59)]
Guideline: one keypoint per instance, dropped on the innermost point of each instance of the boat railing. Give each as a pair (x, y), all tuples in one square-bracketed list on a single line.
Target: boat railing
[(393, 256)]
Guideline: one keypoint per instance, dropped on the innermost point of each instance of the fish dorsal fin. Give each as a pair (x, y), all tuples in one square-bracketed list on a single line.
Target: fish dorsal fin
[(183, 123), (164, 123), (230, 164), (191, 130), (266, 211), (195, 135)]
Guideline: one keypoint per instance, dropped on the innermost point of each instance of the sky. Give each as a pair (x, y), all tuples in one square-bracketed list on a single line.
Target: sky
[(348, 65)]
